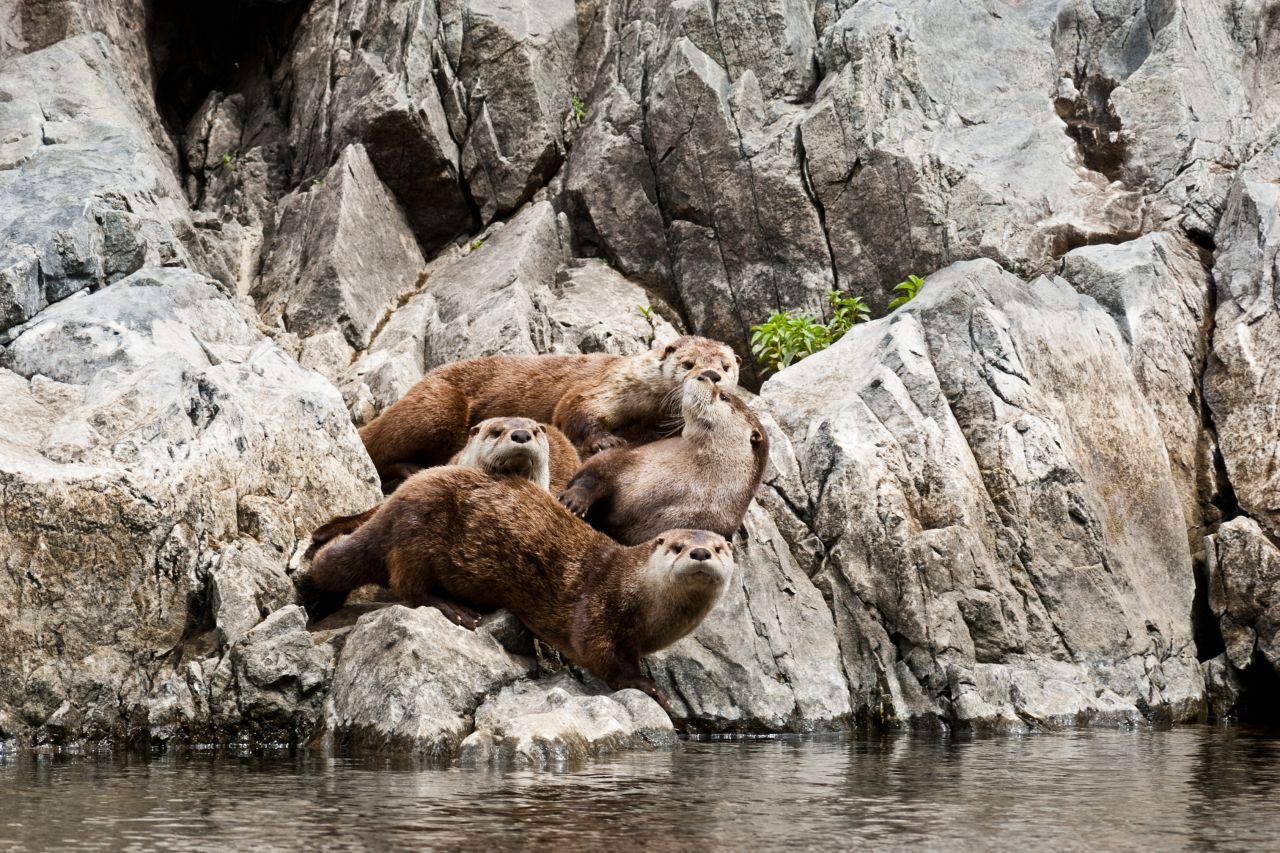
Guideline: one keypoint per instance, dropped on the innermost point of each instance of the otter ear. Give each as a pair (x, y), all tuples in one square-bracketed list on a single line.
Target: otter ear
[(738, 357), (475, 430), (666, 353), (661, 540), (756, 437)]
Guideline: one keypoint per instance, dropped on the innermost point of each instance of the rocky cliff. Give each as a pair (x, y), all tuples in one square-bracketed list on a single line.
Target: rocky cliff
[(1045, 492)]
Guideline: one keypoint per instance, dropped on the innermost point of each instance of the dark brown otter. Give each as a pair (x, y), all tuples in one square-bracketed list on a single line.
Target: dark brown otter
[(704, 478), (459, 540), (588, 397), (501, 447)]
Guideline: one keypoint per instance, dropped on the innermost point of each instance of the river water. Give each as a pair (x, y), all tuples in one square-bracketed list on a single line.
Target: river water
[(1200, 788)]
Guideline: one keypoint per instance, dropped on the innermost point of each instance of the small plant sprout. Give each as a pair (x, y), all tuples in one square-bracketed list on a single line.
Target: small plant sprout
[(477, 243), (579, 109), (846, 311), (229, 162), (646, 311), (906, 291), (318, 183)]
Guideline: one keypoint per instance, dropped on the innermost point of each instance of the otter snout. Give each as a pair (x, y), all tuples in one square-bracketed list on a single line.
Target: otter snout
[(709, 375), (521, 436), (700, 554)]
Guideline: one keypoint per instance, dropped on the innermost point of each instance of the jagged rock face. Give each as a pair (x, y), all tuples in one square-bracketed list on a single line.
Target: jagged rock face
[(1241, 385), (983, 565), (86, 197), (1244, 594), (342, 257), (156, 450)]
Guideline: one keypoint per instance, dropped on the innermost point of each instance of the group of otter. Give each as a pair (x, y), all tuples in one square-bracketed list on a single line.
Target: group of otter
[(492, 505)]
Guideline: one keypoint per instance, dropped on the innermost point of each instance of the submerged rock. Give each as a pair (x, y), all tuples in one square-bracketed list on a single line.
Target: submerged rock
[(553, 721)]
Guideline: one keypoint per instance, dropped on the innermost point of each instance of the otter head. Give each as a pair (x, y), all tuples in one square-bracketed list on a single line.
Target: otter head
[(689, 356), (708, 409), (686, 574), (509, 447)]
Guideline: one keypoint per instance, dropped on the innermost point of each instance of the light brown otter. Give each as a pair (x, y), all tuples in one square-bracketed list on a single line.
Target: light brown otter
[(459, 540), (501, 447), (589, 397), (704, 478)]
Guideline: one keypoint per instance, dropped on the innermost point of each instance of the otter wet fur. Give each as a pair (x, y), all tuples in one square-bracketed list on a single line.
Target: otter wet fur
[(461, 541), (704, 478), (501, 447), (589, 397)]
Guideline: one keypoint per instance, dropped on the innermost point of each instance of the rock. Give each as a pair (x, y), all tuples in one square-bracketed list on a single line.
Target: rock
[(280, 675), (512, 293), (766, 658), (1244, 593), (366, 72), (86, 196), (155, 449), (343, 255), (920, 157), (744, 238), (407, 681), (1004, 540), (1222, 687), (554, 721), (1158, 290), (1240, 384), (515, 63)]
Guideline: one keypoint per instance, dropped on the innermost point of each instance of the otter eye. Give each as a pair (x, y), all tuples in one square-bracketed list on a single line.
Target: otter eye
[(756, 437), (724, 397), (675, 549), (725, 367), (494, 433)]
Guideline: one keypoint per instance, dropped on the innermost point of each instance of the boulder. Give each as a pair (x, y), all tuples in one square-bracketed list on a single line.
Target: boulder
[(86, 196), (157, 455), (554, 721), (1158, 290), (514, 67), (512, 292), (766, 658), (408, 681), (1004, 541), (1240, 382), (1244, 594), (342, 257), (367, 73)]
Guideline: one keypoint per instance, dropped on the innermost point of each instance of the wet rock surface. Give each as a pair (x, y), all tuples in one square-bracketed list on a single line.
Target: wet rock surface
[(1044, 493)]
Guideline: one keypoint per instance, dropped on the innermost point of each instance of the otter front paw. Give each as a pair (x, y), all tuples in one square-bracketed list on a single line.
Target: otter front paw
[(457, 613), (575, 503), (604, 442)]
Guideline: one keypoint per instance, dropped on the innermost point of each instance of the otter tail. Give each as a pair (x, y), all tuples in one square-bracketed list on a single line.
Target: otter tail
[(339, 568), (335, 527)]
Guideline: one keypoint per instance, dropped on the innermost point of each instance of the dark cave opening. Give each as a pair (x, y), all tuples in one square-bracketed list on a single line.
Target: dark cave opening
[(197, 48), (1093, 123)]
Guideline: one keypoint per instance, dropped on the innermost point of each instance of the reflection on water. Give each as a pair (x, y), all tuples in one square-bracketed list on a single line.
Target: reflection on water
[(1201, 788)]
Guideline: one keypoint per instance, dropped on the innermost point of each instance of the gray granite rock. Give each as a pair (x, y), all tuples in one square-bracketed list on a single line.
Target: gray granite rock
[(1244, 594), (553, 721), (408, 681), (983, 568), (157, 454), (86, 196), (342, 256)]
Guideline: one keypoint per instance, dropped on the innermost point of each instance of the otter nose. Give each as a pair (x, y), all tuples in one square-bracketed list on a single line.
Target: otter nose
[(700, 554), (709, 374), (521, 436)]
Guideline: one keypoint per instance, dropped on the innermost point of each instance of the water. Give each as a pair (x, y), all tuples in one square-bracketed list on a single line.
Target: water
[(1188, 788)]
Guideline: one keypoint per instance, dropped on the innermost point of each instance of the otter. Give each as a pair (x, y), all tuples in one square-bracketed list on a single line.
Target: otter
[(501, 447), (458, 540), (703, 478), (591, 398)]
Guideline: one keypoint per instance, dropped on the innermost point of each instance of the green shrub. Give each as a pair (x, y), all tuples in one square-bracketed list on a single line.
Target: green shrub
[(477, 243), (906, 291), (579, 109), (788, 337)]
